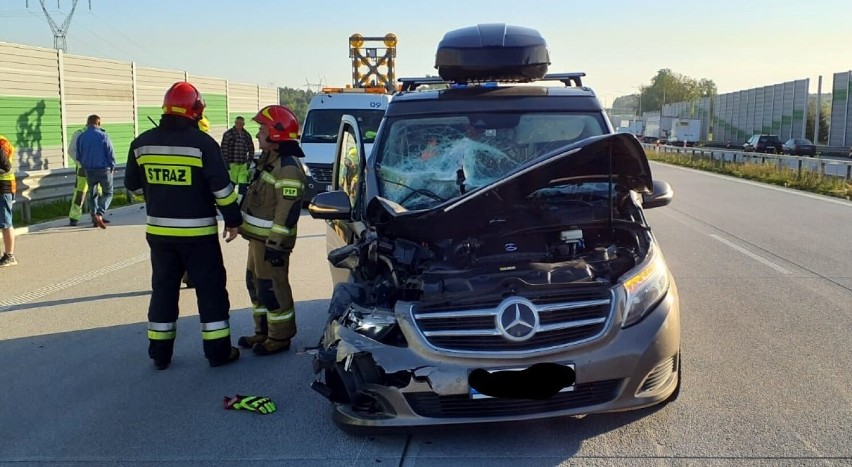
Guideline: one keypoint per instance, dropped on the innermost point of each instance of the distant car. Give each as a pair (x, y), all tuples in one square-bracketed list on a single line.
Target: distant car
[(673, 141), (799, 147), (764, 143)]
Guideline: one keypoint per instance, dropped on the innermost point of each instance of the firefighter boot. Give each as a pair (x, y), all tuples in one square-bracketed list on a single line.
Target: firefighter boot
[(260, 331), (248, 342), (160, 351), (231, 358), (271, 346), (282, 327)]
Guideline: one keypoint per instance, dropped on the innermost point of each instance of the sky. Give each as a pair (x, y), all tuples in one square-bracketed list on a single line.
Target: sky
[(619, 44)]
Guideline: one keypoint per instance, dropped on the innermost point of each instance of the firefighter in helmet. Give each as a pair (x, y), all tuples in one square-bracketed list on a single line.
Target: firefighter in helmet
[(271, 209), (180, 170)]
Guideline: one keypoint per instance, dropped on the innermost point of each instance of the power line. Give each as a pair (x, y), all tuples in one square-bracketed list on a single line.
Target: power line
[(102, 40), (132, 41), (59, 31)]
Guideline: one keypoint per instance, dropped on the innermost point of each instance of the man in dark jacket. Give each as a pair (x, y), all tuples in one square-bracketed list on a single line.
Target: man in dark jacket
[(181, 172), (95, 154)]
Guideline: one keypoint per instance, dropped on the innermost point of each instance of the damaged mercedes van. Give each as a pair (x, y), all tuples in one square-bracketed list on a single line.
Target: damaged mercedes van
[(491, 256)]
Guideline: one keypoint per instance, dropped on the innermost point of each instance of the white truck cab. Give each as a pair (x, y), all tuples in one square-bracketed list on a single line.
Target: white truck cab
[(319, 131)]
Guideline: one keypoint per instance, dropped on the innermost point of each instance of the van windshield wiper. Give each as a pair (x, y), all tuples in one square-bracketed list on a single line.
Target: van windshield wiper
[(416, 191)]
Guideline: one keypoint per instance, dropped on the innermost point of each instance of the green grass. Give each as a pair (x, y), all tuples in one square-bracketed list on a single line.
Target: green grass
[(765, 173), (58, 209)]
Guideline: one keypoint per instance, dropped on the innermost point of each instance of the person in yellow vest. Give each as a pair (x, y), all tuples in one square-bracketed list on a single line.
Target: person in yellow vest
[(238, 151), (78, 198), (203, 125), (8, 188), (271, 210)]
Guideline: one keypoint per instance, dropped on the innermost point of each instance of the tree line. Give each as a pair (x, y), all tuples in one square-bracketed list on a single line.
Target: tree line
[(668, 87), (296, 100)]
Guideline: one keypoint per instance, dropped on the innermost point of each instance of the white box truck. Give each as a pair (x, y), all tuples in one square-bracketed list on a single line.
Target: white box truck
[(685, 132), (657, 128), (634, 127)]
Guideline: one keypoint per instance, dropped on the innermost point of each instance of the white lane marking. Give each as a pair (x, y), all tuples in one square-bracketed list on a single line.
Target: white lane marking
[(751, 255), (10, 304), (791, 191)]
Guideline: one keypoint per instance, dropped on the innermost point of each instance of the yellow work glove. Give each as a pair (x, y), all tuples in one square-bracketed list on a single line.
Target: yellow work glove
[(259, 404)]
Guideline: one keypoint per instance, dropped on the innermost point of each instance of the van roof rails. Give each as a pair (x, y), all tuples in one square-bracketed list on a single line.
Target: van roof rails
[(568, 79)]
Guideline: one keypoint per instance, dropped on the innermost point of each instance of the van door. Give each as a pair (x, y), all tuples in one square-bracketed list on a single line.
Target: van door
[(348, 177)]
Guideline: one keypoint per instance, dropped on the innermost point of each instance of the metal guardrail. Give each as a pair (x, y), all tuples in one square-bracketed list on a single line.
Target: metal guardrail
[(823, 167), (51, 185)]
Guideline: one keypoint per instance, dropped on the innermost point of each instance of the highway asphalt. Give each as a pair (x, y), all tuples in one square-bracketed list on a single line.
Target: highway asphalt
[(765, 281)]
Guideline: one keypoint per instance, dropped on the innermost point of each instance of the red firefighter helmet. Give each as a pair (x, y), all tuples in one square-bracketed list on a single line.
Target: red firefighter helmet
[(282, 123), (183, 99)]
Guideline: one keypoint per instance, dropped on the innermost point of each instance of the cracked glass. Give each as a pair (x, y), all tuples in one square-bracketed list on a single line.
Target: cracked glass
[(426, 160)]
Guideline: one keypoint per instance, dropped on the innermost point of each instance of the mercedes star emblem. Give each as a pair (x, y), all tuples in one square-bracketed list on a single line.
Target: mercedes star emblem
[(517, 319)]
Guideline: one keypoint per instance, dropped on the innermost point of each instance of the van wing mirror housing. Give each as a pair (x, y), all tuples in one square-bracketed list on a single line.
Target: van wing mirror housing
[(662, 195), (331, 205)]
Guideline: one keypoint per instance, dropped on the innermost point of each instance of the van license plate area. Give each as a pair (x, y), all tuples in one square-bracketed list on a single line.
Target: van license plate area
[(539, 381)]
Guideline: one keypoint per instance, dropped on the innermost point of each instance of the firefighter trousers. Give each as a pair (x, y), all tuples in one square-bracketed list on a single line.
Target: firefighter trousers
[(271, 296), (202, 259)]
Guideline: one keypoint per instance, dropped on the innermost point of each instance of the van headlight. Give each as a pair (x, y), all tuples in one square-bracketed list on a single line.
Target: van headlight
[(645, 289), (374, 323)]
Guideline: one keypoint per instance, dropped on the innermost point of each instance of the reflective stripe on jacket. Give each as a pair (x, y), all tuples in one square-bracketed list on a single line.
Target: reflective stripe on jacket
[(273, 201), (183, 177)]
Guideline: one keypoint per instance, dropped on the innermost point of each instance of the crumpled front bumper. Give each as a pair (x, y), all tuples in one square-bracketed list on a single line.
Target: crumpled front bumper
[(418, 386)]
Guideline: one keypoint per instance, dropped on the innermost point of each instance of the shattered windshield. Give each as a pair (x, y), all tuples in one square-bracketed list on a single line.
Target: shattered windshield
[(321, 125), (426, 160)]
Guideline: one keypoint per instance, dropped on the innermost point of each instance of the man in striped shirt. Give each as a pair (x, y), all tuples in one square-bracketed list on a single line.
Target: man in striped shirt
[(238, 151)]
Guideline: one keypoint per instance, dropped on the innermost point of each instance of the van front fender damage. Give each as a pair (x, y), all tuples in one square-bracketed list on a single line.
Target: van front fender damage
[(354, 366)]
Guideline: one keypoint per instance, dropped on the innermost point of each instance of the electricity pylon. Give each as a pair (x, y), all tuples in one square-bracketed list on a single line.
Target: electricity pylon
[(59, 32)]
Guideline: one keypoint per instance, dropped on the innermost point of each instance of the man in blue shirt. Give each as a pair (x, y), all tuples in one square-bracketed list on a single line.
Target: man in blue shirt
[(95, 153)]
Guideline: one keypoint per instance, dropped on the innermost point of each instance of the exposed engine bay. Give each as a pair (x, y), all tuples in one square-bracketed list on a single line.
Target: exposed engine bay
[(537, 248)]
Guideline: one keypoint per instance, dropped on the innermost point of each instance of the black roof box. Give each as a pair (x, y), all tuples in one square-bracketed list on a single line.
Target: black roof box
[(492, 52)]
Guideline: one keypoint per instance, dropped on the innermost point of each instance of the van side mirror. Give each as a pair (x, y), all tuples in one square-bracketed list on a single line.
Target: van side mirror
[(662, 195), (331, 205)]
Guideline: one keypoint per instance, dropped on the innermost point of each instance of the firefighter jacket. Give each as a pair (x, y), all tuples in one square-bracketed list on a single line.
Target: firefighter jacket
[(7, 172), (180, 170), (273, 202)]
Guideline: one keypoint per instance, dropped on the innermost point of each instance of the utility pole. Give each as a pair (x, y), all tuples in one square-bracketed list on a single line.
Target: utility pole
[(315, 87), (59, 31)]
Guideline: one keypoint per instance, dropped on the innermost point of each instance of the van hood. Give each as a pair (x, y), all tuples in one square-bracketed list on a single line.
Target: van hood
[(589, 160)]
